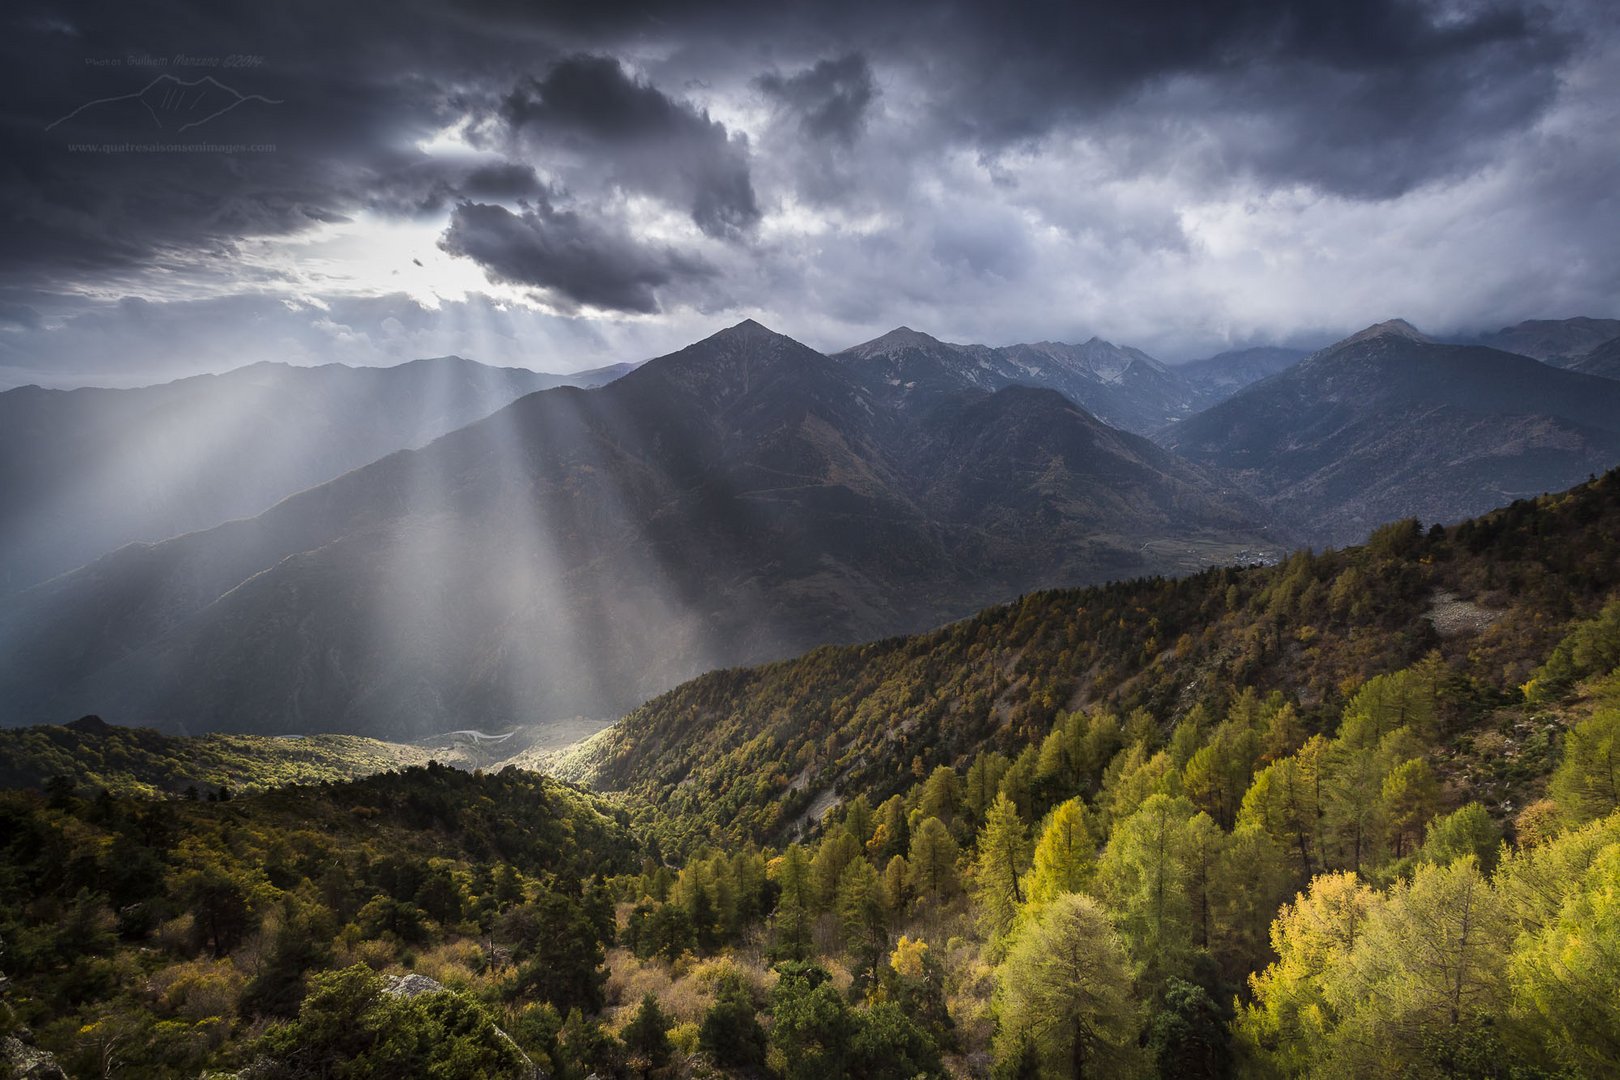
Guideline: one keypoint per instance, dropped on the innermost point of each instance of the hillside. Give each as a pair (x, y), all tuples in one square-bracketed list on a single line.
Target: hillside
[(1349, 815), (1603, 360), (85, 471), (91, 755), (1389, 424), (743, 499), (745, 753)]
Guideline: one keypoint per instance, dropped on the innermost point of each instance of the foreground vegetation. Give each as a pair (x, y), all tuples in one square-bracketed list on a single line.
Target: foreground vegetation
[(1289, 821)]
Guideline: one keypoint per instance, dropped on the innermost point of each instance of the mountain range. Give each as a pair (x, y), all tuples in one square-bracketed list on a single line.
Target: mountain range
[(1122, 386), (577, 550), (741, 499), (85, 471), (1390, 424), (1560, 342)]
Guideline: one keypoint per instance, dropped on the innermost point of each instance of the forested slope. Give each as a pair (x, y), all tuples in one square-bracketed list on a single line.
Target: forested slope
[(89, 754), (743, 752)]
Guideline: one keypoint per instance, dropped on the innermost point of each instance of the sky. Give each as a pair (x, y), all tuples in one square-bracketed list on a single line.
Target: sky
[(566, 184)]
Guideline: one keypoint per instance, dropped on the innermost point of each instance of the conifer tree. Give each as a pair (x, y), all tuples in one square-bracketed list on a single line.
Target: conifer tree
[(931, 869), (1065, 995), (1002, 857), (1064, 856)]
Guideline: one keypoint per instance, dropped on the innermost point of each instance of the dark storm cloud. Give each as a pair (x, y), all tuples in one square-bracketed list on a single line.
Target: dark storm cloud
[(644, 139), (558, 250), (847, 157), (829, 99), (506, 180), (1309, 89)]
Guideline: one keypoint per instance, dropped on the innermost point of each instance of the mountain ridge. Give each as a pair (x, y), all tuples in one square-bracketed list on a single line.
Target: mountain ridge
[(741, 498), (1385, 425)]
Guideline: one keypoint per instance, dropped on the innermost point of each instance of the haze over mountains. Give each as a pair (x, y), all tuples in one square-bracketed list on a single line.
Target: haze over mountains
[(741, 499), (85, 471)]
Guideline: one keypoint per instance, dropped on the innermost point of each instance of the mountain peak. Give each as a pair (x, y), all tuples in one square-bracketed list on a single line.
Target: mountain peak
[(747, 330), (1389, 328), (901, 337)]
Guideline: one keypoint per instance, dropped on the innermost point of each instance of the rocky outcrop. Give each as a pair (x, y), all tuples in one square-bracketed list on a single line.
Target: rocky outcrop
[(29, 1062)]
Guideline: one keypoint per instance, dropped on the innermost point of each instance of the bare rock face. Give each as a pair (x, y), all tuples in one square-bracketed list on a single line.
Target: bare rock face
[(29, 1062), (412, 985)]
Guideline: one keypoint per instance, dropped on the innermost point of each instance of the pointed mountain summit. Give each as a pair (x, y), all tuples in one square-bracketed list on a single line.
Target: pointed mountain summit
[(1389, 424), (1389, 328), (741, 499), (901, 337)]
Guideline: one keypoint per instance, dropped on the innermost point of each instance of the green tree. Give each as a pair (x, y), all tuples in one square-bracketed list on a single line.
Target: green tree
[(1065, 855), (793, 919), (1282, 1031), (941, 794), (1217, 775), (860, 914), (1465, 831), (224, 903), (1409, 797), (347, 1027), (896, 891), (813, 1026), (1065, 991), (931, 867), (1430, 959), (1586, 785), (1144, 875), (1565, 970), (836, 851), (983, 781), (1003, 854), (731, 1033), (1352, 787), (1188, 1036), (646, 1037)]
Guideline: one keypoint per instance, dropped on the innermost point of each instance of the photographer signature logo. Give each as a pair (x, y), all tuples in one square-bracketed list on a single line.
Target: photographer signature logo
[(169, 99)]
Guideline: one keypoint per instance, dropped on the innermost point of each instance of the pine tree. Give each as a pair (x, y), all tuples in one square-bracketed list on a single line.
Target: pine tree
[(896, 893), (931, 869), (1003, 854), (941, 794), (1065, 993), (861, 915), (646, 1037), (1144, 876), (793, 916), (1064, 856)]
